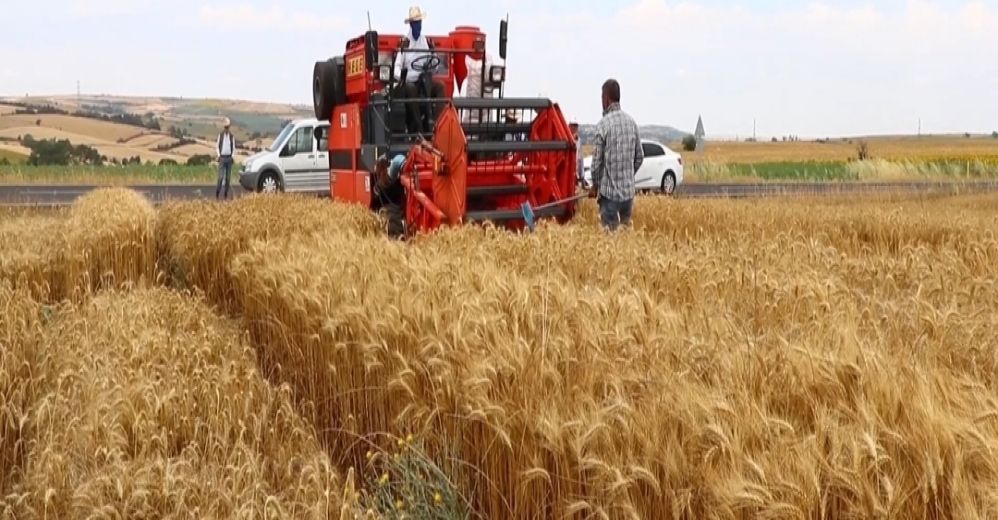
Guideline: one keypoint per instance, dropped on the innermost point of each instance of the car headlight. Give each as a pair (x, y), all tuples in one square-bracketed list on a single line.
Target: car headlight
[(247, 166), (497, 73), (384, 73)]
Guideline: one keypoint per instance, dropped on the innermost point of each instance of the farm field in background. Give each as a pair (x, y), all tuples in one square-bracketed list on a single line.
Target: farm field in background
[(907, 148), (131, 174), (792, 358), (894, 168), (891, 158)]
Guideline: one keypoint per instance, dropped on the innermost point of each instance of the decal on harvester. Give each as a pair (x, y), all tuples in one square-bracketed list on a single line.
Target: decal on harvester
[(355, 67)]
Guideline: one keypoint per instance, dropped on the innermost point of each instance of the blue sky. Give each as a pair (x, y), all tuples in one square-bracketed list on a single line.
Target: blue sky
[(807, 68)]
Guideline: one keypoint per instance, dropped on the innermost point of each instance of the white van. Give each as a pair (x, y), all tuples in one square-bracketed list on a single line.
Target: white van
[(295, 162)]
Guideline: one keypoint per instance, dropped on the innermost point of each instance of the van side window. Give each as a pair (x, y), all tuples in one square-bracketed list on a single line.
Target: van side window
[(323, 132), (301, 141)]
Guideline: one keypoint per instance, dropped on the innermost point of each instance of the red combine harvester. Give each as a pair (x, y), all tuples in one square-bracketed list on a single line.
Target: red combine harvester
[(468, 159)]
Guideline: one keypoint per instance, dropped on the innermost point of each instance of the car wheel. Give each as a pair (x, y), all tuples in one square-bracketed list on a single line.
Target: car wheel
[(669, 183), (269, 183)]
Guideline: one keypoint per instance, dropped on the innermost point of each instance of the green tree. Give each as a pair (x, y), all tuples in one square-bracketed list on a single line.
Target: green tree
[(689, 143), (199, 160)]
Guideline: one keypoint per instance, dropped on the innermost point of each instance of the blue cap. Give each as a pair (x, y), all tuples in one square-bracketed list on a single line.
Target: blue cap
[(395, 168)]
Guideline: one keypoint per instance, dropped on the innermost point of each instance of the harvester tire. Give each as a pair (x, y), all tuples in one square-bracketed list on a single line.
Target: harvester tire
[(327, 89)]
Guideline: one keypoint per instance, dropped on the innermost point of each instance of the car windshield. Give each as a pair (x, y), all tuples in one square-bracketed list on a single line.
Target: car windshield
[(279, 140)]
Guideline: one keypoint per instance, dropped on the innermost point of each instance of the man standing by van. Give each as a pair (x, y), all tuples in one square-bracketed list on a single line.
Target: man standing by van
[(225, 148)]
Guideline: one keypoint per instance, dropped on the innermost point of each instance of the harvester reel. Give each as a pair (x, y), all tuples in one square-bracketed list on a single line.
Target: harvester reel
[(328, 89)]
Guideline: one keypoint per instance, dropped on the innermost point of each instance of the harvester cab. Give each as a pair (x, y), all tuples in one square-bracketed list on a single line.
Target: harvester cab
[(470, 158)]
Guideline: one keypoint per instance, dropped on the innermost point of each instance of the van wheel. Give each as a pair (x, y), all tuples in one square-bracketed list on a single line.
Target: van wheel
[(269, 183)]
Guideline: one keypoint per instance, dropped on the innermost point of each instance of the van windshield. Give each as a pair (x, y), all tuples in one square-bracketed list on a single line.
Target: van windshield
[(279, 140)]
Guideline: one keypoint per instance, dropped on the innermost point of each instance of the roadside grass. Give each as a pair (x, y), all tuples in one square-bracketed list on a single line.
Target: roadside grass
[(874, 170), (109, 175)]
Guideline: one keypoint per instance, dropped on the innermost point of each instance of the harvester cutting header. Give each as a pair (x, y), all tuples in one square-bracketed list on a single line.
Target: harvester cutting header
[(401, 138)]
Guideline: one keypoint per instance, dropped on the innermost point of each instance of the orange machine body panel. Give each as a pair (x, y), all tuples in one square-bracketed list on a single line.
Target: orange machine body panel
[(347, 182)]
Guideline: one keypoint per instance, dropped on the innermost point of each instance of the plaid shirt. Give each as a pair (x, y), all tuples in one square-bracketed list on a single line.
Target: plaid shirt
[(617, 156)]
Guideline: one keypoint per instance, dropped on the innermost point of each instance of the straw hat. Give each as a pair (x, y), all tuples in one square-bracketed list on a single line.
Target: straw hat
[(226, 123), (415, 14)]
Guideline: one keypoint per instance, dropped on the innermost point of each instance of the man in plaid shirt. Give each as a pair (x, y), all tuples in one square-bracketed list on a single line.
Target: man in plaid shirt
[(616, 160)]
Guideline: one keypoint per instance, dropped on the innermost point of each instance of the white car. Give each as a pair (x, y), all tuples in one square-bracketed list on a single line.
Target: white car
[(661, 171), (298, 161)]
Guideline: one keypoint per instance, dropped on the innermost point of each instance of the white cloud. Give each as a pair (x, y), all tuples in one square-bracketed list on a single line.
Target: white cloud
[(247, 17)]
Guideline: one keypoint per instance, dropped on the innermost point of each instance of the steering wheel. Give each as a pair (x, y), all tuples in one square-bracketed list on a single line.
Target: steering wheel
[(432, 62)]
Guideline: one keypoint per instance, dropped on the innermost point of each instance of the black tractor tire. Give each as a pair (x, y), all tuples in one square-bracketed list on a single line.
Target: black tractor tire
[(328, 88)]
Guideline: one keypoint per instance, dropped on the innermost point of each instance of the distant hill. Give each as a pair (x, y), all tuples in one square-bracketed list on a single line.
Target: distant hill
[(660, 133), (161, 128), (151, 128)]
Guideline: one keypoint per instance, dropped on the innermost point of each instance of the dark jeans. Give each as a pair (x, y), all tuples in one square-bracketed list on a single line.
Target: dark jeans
[(414, 112), (613, 213), (224, 175)]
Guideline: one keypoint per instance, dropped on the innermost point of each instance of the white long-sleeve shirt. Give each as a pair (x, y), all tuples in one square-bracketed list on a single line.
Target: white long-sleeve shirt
[(406, 58), (226, 145)]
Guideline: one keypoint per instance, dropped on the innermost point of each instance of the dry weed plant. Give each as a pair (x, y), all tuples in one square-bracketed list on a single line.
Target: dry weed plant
[(152, 408), (727, 359), (198, 239)]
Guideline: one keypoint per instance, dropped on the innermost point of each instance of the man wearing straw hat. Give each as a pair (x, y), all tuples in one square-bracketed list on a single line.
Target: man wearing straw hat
[(419, 46), (225, 148)]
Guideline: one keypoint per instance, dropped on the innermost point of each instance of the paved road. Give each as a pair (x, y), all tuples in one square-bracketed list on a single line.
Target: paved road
[(61, 195)]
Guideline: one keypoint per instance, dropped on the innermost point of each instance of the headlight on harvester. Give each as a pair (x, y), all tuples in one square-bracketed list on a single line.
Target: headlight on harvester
[(384, 73), (497, 73)]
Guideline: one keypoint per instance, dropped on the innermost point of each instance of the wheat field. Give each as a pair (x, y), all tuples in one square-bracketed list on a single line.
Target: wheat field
[(911, 148), (277, 357)]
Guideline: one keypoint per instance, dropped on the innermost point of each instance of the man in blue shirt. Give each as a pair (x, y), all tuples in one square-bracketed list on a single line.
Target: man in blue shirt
[(389, 193)]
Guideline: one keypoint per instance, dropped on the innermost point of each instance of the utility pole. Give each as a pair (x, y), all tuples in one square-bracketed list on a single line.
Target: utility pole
[(78, 96), (753, 129), (919, 127)]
